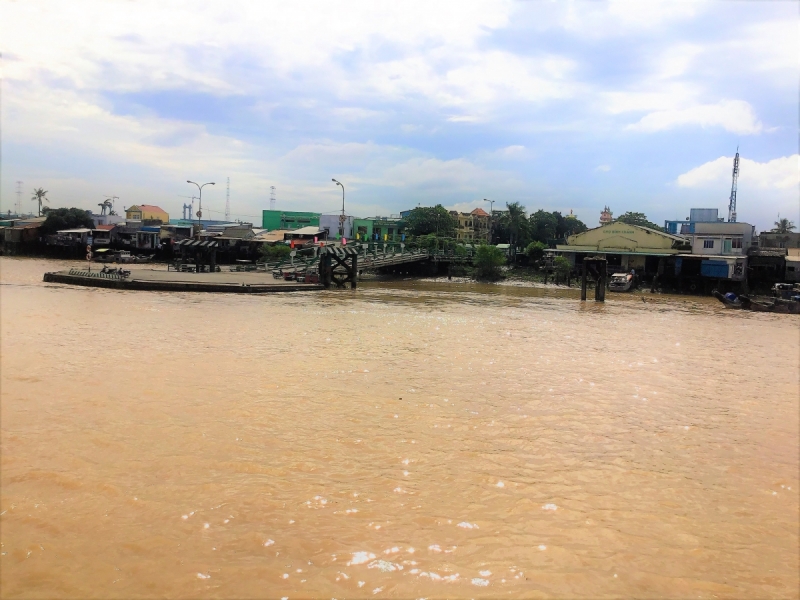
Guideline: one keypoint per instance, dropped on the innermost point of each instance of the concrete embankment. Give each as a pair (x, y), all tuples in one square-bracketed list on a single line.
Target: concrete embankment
[(172, 281)]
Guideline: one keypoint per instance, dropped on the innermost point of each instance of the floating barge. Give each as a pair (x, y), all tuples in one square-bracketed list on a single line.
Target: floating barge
[(177, 281)]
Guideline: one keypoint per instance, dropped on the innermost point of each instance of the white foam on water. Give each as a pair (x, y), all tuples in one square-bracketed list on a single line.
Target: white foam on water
[(377, 590), (361, 558), (351, 510), (206, 525), (345, 575), (203, 576), (269, 543), (361, 583), (405, 461), (184, 517), (384, 566), (391, 550), (434, 548), (291, 521), (410, 550), (395, 416), (542, 547), (465, 525), (227, 521), (480, 582), (484, 573), (453, 577), (285, 576), (500, 484), (405, 473), (549, 507)]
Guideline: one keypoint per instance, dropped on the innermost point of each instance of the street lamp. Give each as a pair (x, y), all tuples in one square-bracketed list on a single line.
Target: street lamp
[(200, 207), (491, 218), (342, 218)]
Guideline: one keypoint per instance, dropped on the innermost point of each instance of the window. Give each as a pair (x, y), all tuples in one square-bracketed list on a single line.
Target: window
[(726, 245), (708, 243), (736, 243), (790, 268)]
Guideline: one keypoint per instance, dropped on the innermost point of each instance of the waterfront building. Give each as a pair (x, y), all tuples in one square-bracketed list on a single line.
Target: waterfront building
[(770, 239), (287, 219), (473, 227), (720, 238), (331, 224), (382, 229), (626, 247), (146, 212), (696, 215)]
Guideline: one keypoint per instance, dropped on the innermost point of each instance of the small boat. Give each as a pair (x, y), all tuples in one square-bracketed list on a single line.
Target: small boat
[(620, 282), (773, 305), (729, 300)]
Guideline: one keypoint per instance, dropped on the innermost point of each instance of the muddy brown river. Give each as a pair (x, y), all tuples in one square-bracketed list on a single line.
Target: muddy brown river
[(409, 439)]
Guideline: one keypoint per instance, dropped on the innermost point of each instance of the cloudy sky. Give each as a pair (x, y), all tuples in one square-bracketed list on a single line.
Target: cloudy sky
[(558, 105)]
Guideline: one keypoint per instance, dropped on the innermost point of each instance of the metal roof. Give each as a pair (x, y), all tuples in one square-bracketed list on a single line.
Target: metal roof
[(197, 244)]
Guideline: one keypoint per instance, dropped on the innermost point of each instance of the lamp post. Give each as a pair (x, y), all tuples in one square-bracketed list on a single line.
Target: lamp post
[(491, 218), (342, 218), (200, 198)]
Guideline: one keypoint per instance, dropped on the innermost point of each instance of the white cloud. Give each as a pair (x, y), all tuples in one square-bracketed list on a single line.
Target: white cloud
[(736, 116), (602, 168), (777, 174)]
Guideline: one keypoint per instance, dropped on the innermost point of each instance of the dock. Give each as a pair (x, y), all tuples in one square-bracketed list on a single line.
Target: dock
[(177, 281)]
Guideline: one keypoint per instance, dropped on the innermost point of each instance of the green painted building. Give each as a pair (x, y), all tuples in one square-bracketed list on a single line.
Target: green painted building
[(385, 228), (287, 219)]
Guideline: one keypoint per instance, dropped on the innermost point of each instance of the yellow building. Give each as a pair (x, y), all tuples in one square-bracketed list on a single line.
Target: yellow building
[(473, 227), (625, 246), (146, 212)]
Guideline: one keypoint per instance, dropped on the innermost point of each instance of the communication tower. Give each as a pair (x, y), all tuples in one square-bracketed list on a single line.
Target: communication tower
[(228, 200), (19, 197), (732, 203), (272, 200)]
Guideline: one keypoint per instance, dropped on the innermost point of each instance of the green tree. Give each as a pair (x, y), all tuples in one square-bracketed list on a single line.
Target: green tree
[(783, 226), (640, 219), (40, 196), (65, 218), (436, 219), (561, 265), (487, 262), (274, 253), (543, 226), (515, 221), (535, 251)]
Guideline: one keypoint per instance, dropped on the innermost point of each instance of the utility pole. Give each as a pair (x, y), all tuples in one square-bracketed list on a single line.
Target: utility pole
[(19, 197), (343, 218), (491, 218), (228, 200), (272, 200), (732, 203)]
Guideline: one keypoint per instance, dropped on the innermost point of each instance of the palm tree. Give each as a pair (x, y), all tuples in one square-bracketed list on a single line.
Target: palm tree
[(40, 196), (783, 226), (516, 220)]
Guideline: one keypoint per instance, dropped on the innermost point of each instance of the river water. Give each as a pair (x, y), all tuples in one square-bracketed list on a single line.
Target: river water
[(409, 439)]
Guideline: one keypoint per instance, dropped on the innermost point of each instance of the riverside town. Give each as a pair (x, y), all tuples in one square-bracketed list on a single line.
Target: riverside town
[(399, 300), (703, 254)]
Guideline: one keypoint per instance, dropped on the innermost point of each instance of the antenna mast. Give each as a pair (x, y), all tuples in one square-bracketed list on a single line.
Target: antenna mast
[(228, 201), (272, 200), (19, 198), (732, 203)]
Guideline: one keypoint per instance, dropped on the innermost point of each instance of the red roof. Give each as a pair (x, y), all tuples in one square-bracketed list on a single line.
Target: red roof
[(106, 227), (479, 212)]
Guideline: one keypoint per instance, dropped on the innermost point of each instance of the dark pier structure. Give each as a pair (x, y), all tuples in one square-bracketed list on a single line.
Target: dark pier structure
[(597, 267)]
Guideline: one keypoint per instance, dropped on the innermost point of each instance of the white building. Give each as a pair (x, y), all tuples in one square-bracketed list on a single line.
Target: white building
[(721, 239)]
